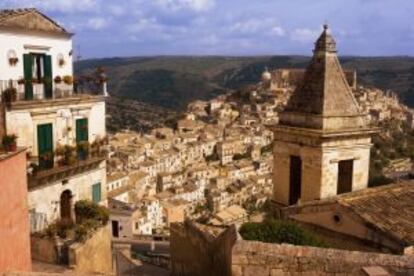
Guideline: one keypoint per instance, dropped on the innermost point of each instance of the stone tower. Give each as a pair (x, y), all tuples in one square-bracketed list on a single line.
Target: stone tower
[(322, 144)]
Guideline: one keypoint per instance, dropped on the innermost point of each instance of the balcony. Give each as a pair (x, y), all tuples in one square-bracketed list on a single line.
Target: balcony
[(13, 92), (44, 175)]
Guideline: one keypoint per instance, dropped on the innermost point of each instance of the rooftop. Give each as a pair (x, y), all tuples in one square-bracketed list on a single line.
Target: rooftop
[(29, 20), (324, 96), (388, 208)]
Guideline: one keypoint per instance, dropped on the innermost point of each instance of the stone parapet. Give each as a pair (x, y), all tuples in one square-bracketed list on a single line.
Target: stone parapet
[(256, 258)]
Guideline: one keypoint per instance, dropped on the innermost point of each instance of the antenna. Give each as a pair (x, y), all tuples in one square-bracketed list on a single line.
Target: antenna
[(78, 52)]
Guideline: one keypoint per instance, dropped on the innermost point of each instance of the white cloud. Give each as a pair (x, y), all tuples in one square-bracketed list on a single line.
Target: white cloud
[(194, 5), (116, 10), (304, 35), (97, 23), (65, 6), (257, 26), (278, 31)]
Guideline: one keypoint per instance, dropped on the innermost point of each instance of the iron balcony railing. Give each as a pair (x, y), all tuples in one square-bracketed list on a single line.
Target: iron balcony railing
[(15, 91)]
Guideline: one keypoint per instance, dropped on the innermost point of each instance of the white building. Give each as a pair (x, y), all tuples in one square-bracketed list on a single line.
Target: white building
[(41, 107)]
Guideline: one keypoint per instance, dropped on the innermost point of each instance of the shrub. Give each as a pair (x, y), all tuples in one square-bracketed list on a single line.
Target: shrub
[(81, 233), (277, 231), (62, 227), (87, 210)]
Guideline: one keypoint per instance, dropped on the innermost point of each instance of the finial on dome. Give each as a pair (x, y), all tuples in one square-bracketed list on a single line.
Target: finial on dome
[(325, 25)]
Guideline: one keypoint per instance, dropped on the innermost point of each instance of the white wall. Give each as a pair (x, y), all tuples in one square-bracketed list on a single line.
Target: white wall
[(24, 123), (17, 41), (46, 199)]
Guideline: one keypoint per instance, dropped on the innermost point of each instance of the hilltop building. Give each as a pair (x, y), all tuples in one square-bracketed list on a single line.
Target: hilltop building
[(322, 144), (58, 120)]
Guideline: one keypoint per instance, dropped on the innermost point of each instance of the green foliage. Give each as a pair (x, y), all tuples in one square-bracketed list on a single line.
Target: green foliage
[(84, 230), (277, 231), (86, 210), (395, 141), (8, 140), (62, 228)]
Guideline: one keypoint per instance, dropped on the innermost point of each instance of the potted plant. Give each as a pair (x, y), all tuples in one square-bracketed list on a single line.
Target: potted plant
[(46, 160), (96, 147), (58, 79), (21, 81), (10, 95), (68, 79), (61, 62), (9, 142), (83, 149), (13, 61), (60, 153)]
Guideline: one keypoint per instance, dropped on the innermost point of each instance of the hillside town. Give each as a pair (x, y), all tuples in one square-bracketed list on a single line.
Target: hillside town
[(295, 147)]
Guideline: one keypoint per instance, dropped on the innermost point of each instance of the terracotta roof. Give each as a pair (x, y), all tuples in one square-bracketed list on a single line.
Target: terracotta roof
[(29, 19), (324, 92), (389, 208)]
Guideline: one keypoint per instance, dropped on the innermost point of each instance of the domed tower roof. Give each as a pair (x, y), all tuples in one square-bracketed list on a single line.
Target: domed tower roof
[(266, 76), (324, 99)]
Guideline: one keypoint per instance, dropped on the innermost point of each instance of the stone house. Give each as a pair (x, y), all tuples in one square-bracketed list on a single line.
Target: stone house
[(228, 148), (42, 107), (127, 220)]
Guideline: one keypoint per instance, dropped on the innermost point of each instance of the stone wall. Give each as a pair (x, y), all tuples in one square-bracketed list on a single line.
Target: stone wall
[(44, 249), (320, 158), (93, 256), (256, 258), (201, 250)]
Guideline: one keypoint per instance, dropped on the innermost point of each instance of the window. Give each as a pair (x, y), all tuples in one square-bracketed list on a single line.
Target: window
[(96, 193), (38, 66), (136, 225)]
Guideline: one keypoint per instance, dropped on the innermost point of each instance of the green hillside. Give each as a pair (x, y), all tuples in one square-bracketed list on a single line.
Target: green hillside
[(173, 82)]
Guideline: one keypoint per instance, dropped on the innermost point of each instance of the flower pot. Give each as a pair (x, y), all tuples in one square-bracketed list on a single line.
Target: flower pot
[(11, 147)]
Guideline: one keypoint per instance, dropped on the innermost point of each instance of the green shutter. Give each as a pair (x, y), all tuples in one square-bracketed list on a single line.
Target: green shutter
[(28, 87), (45, 144), (96, 193), (81, 130), (48, 77)]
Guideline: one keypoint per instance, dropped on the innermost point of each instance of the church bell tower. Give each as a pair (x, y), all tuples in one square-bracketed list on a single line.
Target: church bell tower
[(322, 144)]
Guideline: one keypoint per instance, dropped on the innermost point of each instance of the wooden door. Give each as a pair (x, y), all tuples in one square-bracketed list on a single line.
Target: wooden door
[(28, 75), (115, 228), (81, 130), (45, 145), (48, 77)]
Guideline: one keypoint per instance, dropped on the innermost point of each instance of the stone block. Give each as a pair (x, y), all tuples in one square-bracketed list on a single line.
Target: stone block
[(255, 270), (236, 270)]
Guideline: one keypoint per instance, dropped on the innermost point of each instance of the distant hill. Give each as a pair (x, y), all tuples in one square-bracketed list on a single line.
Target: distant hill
[(173, 82)]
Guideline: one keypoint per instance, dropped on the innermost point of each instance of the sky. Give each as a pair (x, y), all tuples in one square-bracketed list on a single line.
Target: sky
[(109, 28)]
